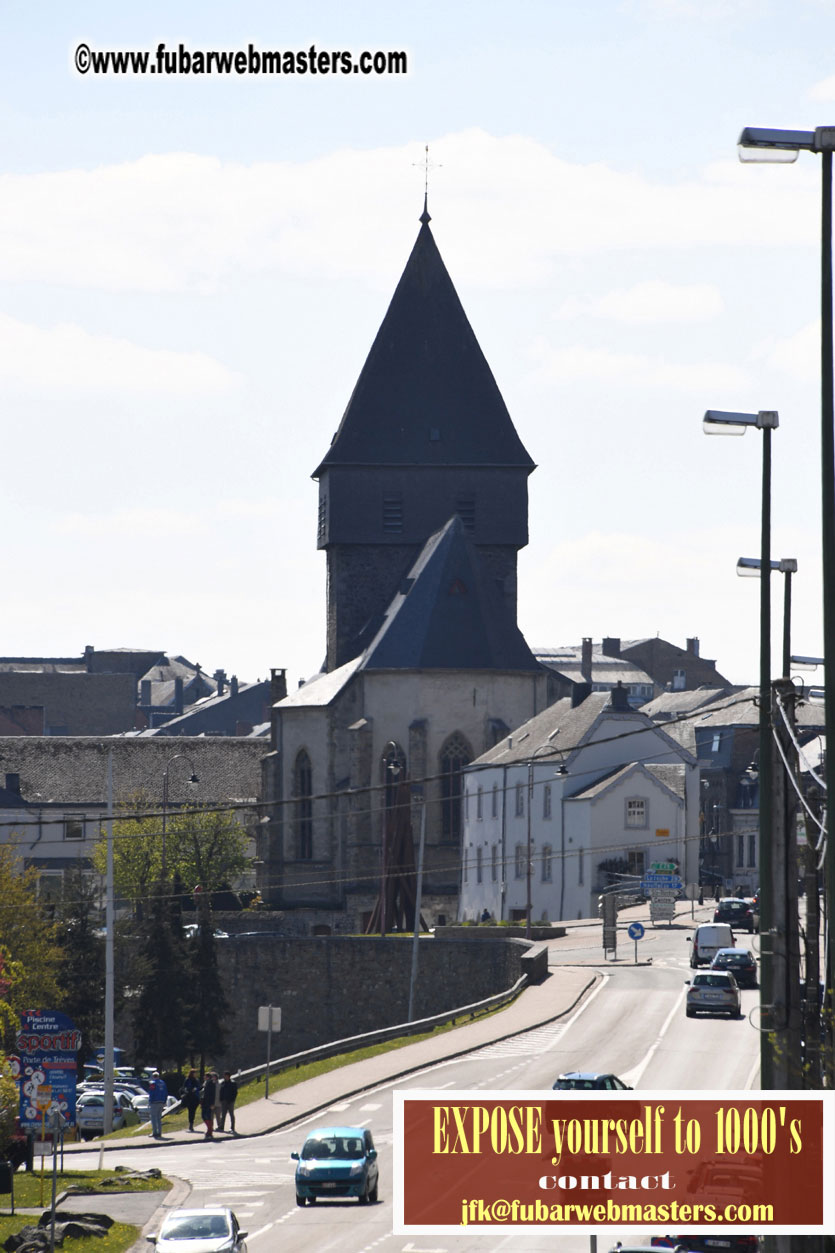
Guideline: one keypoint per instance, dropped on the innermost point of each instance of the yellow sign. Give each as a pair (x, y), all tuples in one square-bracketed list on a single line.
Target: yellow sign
[(43, 1096), (662, 833)]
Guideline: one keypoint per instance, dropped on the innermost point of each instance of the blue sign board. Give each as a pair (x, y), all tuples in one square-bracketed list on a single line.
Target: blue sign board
[(47, 1044), (635, 931), (656, 882)]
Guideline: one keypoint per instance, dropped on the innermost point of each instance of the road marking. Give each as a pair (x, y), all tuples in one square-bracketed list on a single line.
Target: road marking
[(634, 1075)]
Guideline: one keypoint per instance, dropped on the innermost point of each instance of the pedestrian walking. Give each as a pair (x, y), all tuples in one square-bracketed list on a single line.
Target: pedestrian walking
[(216, 1078), (157, 1096), (207, 1103), (191, 1096), (228, 1093)]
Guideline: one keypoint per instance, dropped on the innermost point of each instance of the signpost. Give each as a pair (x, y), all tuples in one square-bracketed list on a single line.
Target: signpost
[(662, 885), (269, 1020), (47, 1043), (635, 931), (610, 923)]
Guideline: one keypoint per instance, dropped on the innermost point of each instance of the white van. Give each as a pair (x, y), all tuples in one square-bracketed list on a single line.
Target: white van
[(707, 941)]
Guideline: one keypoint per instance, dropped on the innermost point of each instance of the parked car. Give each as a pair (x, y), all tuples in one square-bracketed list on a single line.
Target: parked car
[(707, 941), (337, 1162), (89, 1113), (715, 992), (741, 963), (737, 911), (141, 1103), (191, 929), (212, 1230), (589, 1081)]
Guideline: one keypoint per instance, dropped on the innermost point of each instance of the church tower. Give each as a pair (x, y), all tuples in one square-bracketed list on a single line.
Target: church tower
[(426, 437)]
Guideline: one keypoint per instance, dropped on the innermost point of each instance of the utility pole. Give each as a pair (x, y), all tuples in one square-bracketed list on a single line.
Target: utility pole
[(786, 997)]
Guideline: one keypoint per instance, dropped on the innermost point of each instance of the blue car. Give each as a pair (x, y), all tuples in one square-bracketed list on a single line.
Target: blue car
[(337, 1162)]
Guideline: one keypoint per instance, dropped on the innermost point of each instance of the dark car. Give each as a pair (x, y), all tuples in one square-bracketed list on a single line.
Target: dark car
[(589, 1081), (741, 963), (337, 1162), (726, 1242), (736, 911)]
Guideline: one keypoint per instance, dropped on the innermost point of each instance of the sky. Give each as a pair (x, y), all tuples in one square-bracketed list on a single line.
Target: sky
[(193, 269)]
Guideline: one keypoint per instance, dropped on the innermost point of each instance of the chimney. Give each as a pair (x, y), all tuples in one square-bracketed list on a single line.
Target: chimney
[(178, 695), (88, 658), (219, 677), (585, 660), (278, 685), (233, 685), (145, 692), (611, 646), (693, 646), (619, 699)]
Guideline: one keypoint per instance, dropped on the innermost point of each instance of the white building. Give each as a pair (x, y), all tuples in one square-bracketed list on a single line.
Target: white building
[(576, 793)]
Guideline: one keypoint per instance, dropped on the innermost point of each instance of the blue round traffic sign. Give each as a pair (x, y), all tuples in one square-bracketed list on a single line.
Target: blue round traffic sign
[(635, 931)]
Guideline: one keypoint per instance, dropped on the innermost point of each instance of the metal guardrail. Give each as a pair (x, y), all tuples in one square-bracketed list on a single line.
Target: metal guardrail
[(351, 1043)]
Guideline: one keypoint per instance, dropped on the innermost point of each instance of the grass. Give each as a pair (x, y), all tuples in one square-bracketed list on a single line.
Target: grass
[(254, 1090), (29, 1191)]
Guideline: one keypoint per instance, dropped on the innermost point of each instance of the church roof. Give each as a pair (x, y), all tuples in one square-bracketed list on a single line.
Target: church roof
[(448, 615), (426, 395)]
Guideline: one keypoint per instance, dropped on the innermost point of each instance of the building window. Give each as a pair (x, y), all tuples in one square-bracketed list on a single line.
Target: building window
[(50, 886), (546, 863), (580, 864), (478, 802), (479, 868), (494, 863), (303, 805), (679, 680), (73, 828), (716, 742), (519, 866), (494, 809), (740, 850), (546, 801), (466, 866), (323, 519), (520, 800), (636, 812), (636, 862), (752, 849), (454, 756), (392, 515)]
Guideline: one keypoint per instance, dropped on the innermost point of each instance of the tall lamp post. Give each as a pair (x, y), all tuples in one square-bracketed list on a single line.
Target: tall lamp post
[(757, 144), (193, 781), (719, 422), (750, 567)]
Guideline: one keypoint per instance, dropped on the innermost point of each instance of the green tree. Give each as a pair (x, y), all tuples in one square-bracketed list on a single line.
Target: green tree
[(162, 1003), (81, 943), (208, 1007), (208, 849), (28, 941)]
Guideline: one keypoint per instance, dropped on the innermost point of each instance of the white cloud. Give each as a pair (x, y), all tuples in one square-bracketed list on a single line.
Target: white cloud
[(799, 355), (576, 363), (650, 301), (68, 357), (823, 90), (179, 221)]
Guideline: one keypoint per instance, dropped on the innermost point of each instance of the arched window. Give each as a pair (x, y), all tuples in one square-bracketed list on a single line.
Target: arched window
[(454, 756), (303, 806)]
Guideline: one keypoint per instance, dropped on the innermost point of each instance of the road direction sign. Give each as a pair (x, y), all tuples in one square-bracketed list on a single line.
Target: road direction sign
[(635, 931)]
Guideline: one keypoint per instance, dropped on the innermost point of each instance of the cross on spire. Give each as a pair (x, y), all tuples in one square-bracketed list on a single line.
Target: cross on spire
[(427, 166)]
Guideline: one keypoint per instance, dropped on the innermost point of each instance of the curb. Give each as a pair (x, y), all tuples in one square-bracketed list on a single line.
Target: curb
[(177, 1194)]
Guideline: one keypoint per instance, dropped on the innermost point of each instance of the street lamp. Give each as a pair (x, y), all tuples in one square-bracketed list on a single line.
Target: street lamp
[(193, 781), (762, 145), (750, 567), (719, 422)]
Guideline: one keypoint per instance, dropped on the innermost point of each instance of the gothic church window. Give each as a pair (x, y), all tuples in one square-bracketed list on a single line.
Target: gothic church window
[(454, 756), (303, 807)]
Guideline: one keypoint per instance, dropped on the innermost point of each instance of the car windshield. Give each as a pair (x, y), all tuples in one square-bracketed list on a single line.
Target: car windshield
[(712, 981), (333, 1146), (579, 1084), (733, 959), (195, 1227)]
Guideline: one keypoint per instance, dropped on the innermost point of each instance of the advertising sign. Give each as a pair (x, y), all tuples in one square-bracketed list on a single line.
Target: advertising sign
[(751, 1162), (47, 1045)]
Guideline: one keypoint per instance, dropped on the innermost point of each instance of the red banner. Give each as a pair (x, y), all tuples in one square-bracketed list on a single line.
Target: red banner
[(750, 1161)]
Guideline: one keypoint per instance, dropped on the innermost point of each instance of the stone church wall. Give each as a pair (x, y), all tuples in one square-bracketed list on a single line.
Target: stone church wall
[(330, 987)]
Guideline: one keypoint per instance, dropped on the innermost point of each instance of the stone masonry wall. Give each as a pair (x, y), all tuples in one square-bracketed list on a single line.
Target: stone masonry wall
[(330, 987)]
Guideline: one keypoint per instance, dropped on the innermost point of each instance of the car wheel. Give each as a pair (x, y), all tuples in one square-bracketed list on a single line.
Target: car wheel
[(363, 1196), (372, 1196), (691, 1013), (300, 1200)]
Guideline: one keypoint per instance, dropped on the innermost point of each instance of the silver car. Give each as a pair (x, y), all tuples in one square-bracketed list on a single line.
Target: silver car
[(200, 1231), (713, 992)]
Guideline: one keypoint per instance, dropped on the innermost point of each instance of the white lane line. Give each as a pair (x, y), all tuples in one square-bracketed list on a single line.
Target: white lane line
[(636, 1073)]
